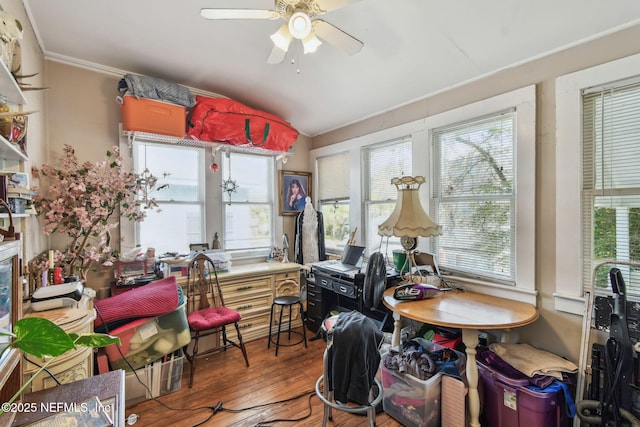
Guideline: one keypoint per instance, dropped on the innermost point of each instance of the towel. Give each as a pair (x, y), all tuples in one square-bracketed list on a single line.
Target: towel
[(532, 361), (155, 88)]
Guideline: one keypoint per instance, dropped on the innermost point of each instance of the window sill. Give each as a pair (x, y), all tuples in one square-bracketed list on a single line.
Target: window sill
[(494, 289)]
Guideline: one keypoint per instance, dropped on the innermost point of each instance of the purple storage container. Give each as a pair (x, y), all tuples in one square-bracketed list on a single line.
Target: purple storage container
[(506, 402)]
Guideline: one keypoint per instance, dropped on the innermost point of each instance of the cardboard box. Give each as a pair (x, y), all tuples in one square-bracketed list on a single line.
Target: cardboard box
[(152, 116)]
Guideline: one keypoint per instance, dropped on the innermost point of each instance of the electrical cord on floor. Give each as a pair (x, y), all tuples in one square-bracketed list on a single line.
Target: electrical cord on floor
[(214, 409), (218, 407)]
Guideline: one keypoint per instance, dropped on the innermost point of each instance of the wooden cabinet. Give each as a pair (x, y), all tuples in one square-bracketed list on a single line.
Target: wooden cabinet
[(251, 288), (73, 365)]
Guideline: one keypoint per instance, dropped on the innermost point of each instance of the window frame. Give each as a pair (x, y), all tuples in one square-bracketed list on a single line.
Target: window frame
[(250, 252), (368, 202), (438, 196), (569, 292), (213, 212), (523, 100)]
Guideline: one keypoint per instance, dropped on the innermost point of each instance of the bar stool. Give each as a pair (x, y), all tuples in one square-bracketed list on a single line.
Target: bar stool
[(283, 302)]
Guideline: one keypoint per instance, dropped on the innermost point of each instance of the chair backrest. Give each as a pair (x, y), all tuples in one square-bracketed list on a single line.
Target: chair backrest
[(203, 287), (375, 281)]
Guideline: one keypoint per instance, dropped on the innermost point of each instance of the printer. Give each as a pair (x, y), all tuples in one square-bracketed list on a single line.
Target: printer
[(57, 296)]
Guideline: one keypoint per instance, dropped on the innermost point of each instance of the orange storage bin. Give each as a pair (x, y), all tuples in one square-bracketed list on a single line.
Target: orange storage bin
[(152, 116)]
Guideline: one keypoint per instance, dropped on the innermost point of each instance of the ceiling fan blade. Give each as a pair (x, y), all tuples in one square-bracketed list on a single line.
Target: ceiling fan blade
[(329, 5), (336, 37), (239, 14), (276, 56)]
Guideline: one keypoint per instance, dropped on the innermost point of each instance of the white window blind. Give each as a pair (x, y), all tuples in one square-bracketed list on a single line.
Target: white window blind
[(333, 177), (333, 199), (611, 183), (381, 163), (248, 211), (474, 196), (180, 220)]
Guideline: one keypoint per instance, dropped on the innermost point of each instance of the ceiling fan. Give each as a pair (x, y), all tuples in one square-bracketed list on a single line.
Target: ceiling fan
[(298, 15)]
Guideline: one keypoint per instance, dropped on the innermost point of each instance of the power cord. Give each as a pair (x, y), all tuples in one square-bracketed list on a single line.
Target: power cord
[(214, 409), (218, 407), (53, 377)]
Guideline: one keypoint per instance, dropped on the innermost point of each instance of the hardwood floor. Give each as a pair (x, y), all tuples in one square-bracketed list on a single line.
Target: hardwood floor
[(224, 378)]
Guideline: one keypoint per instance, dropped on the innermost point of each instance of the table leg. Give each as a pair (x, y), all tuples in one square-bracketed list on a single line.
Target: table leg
[(397, 328), (470, 340)]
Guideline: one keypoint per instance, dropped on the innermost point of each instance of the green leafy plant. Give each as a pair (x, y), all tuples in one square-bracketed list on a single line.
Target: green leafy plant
[(44, 339)]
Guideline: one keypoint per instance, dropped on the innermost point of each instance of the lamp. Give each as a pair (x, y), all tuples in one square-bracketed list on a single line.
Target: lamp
[(299, 25), (282, 38), (408, 219), (311, 43)]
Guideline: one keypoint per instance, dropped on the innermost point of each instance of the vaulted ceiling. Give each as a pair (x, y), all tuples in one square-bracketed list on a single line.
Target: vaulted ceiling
[(412, 48)]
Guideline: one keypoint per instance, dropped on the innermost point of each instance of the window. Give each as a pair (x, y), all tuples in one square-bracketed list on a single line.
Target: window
[(333, 199), (407, 151), (381, 163), (611, 182), (474, 196), (248, 212), (576, 255), (181, 217), (483, 193)]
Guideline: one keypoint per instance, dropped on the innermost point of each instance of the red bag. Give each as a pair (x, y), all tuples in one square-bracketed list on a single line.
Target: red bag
[(227, 121)]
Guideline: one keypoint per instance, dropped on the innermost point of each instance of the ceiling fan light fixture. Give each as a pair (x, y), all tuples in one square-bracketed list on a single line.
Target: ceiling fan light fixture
[(300, 25), (282, 38), (311, 43)]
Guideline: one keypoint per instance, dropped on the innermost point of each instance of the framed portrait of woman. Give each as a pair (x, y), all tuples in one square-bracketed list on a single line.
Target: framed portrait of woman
[(294, 188)]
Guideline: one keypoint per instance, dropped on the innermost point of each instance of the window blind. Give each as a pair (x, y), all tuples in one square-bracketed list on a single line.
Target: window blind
[(333, 177), (381, 163), (611, 183), (474, 196), (333, 196)]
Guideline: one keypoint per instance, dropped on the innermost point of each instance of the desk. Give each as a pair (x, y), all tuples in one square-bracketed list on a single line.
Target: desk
[(469, 311)]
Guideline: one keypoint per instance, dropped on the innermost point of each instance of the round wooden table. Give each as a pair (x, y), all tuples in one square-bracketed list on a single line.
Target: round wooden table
[(469, 311)]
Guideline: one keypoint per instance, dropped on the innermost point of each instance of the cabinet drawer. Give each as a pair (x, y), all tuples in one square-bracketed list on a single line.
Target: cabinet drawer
[(243, 288), (314, 295), (344, 288), (252, 305), (324, 282), (251, 327), (289, 275), (77, 367)]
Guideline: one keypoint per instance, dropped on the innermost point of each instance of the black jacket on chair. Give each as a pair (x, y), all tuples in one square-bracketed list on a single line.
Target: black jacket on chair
[(354, 357)]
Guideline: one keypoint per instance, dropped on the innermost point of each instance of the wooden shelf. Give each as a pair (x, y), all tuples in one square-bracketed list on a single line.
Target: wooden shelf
[(9, 88), (8, 151)]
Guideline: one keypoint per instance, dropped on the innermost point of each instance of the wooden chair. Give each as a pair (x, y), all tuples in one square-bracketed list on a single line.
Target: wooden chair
[(206, 312)]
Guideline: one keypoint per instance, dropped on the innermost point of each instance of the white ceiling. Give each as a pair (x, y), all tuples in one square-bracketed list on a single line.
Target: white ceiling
[(412, 48)]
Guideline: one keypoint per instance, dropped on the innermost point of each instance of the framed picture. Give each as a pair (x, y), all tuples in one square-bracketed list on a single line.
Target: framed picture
[(293, 189)]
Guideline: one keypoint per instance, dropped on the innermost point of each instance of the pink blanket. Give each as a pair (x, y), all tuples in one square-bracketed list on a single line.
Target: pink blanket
[(151, 300)]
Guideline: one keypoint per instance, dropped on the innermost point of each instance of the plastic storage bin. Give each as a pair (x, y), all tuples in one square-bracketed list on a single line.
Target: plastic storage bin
[(160, 377), (146, 340), (411, 401), (153, 116), (507, 402)]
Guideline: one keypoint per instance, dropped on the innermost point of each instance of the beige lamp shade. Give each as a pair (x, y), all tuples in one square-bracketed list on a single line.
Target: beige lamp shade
[(408, 218)]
